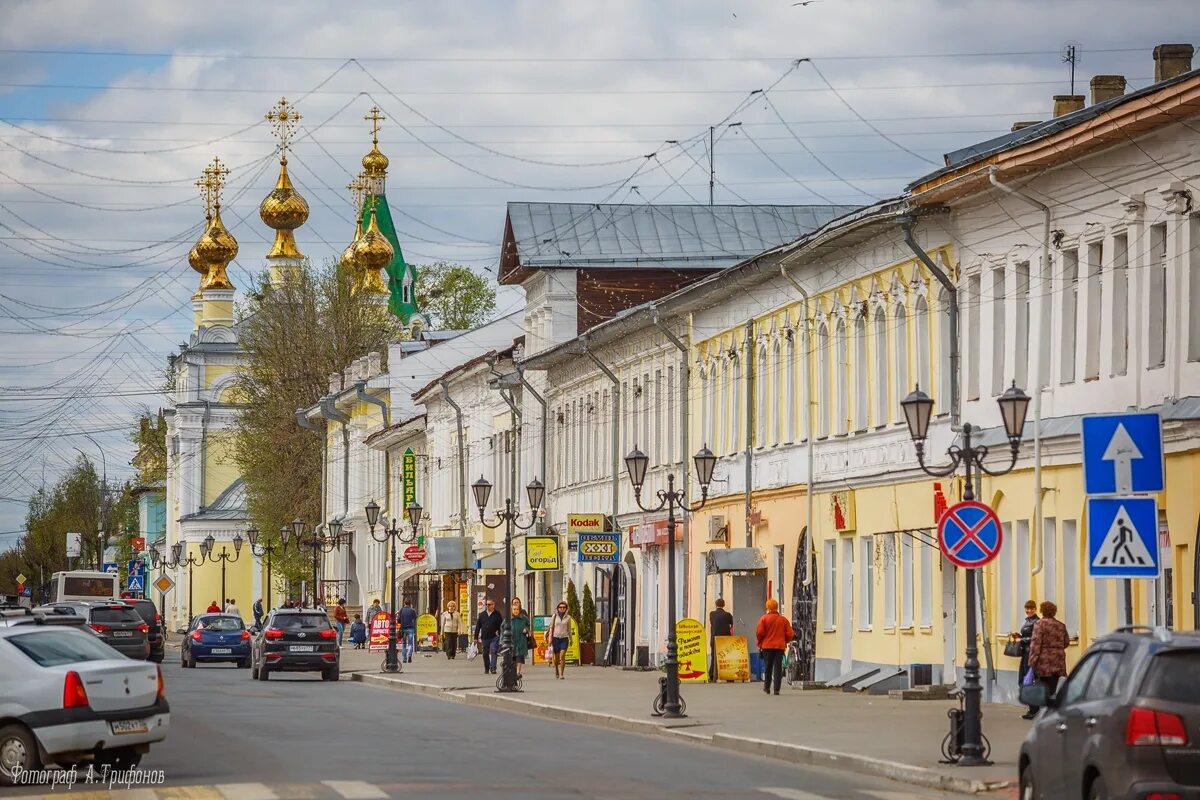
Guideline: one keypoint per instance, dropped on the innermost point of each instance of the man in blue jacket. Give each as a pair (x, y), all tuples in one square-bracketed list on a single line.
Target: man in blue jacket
[(408, 630), (487, 635)]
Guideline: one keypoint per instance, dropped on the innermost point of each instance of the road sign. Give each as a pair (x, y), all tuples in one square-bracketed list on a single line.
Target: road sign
[(599, 548), (1122, 454), (135, 583), (25, 591), (21, 578), (164, 584), (137, 543), (1122, 537), (414, 554), (110, 567), (135, 567), (970, 534)]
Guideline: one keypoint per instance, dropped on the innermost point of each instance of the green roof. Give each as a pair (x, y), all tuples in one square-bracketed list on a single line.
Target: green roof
[(403, 307)]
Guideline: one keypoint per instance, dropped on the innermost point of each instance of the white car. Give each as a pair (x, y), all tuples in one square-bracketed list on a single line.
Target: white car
[(67, 698)]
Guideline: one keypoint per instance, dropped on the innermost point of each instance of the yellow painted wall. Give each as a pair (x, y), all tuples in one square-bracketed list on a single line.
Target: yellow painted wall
[(207, 577), (219, 468)]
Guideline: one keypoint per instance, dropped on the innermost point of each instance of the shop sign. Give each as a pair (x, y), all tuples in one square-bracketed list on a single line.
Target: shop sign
[(692, 650), (541, 553), (427, 632), (379, 631), (733, 658), (409, 472), (599, 548), (585, 523), (654, 533)]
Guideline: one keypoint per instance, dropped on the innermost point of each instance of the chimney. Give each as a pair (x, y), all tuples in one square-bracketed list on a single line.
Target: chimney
[(1106, 87), (374, 364), (335, 382), (1021, 125), (1066, 103), (1171, 60)]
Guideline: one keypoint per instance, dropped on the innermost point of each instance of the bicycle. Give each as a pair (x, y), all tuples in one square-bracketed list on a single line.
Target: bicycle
[(791, 663), (952, 743)]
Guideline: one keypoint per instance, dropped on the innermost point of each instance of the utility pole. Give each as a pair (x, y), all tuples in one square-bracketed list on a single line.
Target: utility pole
[(712, 170), (1071, 57)]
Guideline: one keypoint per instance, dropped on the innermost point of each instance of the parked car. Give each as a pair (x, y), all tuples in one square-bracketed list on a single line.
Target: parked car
[(20, 615), (1125, 723), (216, 637), (117, 624), (149, 613), (67, 697), (296, 640)]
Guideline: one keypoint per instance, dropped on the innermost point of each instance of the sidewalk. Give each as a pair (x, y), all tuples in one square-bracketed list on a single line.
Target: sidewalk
[(870, 734)]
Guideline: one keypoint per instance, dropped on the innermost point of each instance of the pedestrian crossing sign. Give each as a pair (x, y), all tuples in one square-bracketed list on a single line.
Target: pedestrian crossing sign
[(1123, 537)]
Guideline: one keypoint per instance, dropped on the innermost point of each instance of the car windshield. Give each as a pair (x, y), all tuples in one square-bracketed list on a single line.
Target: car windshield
[(290, 621), (50, 647), (1172, 677), (220, 624), (115, 614), (145, 610)]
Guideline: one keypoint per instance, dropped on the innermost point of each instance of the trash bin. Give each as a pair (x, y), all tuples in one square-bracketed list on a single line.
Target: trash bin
[(756, 666)]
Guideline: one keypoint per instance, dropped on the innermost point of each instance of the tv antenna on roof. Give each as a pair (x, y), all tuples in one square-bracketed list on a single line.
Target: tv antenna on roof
[(1070, 56)]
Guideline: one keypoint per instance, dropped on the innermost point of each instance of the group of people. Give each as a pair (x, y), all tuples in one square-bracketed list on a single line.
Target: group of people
[(1043, 643), (230, 607)]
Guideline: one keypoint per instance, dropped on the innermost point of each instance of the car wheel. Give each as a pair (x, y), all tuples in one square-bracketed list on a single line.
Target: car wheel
[(1027, 790), (18, 751), (332, 674), (1098, 791), (118, 758), (243, 662)]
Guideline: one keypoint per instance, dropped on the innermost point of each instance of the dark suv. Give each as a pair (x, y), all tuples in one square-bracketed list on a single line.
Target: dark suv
[(1126, 723), (146, 609), (118, 625), (296, 640)]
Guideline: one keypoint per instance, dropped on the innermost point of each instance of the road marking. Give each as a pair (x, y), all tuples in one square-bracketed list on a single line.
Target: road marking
[(246, 791), (357, 790), (189, 793), (889, 795), (791, 794)]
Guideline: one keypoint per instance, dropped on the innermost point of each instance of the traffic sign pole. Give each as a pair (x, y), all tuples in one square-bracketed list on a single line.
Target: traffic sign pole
[(972, 747)]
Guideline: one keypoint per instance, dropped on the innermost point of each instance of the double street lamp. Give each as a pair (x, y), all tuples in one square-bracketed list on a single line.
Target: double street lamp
[(177, 560), (636, 463), (268, 549), (918, 409), (508, 681), (207, 546), (319, 544), (390, 662)]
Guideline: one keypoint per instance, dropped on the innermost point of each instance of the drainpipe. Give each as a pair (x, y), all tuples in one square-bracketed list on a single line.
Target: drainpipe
[(462, 462), (685, 379), (809, 572), (329, 411), (1037, 373), (302, 421), (751, 360), (906, 224), (360, 392), (616, 431)]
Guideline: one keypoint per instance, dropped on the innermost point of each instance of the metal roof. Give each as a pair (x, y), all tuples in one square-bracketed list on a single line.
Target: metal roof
[(229, 505), (569, 235)]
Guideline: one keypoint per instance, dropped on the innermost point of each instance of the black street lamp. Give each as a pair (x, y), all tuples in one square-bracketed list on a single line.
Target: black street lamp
[(177, 560), (267, 549), (223, 557), (318, 544), (508, 681), (918, 409), (390, 661), (636, 463)]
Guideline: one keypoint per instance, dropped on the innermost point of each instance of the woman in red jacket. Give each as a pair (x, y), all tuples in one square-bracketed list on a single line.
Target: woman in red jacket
[(774, 631)]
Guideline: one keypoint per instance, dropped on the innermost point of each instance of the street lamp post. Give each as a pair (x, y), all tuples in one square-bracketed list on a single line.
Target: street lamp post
[(267, 549), (918, 409), (318, 544), (390, 661), (224, 557), (671, 498), (482, 489), (178, 560)]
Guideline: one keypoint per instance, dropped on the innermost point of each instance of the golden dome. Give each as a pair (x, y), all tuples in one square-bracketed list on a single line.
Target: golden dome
[(283, 209), (348, 260), (372, 251), (215, 250), (375, 162), (194, 257)]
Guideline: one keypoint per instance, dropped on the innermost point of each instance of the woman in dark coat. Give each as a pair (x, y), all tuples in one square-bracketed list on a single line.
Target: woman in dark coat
[(1026, 635)]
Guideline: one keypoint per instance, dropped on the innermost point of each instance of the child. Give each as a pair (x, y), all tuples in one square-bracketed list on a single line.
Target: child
[(358, 632)]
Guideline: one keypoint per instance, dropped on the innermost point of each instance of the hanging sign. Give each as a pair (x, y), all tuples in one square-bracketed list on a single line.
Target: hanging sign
[(541, 553), (409, 471)]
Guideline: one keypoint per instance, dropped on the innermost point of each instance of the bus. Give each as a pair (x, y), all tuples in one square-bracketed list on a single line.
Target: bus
[(84, 585)]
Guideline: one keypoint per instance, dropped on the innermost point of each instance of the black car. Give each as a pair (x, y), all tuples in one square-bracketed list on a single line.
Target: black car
[(1126, 722), (296, 640), (149, 614), (119, 626)]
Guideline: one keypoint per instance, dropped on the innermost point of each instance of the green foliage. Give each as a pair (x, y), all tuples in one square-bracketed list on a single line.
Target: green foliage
[(587, 621), (455, 297), (150, 448), (573, 604)]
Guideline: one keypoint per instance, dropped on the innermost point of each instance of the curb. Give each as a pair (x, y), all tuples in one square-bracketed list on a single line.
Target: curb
[(795, 754)]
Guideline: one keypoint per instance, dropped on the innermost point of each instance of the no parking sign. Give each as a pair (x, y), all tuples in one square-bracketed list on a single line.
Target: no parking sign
[(970, 535)]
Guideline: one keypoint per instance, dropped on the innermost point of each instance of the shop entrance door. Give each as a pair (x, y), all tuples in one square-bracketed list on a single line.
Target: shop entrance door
[(749, 600)]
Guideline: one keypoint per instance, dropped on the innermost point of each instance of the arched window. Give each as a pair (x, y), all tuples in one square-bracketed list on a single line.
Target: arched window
[(790, 393), (737, 420), (822, 381), (943, 354), (923, 345), (881, 368), (705, 407), (777, 380), (762, 385), (903, 384), (842, 377), (861, 409)]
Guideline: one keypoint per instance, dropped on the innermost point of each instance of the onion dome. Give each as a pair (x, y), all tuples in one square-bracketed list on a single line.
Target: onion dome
[(375, 163), (216, 249), (194, 257), (348, 260), (284, 210), (370, 253)]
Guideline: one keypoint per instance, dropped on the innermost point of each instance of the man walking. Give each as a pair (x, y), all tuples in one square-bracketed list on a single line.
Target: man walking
[(408, 630), (720, 623), (487, 635), (257, 610)]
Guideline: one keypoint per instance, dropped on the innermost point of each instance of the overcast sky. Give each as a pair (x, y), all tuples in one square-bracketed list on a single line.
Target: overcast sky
[(110, 110)]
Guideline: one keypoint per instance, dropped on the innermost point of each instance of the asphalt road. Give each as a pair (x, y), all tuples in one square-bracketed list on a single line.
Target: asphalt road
[(296, 731)]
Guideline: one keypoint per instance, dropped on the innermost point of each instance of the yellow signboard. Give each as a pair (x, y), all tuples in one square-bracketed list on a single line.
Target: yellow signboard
[(427, 632), (464, 607), (733, 658), (585, 523), (692, 650), (573, 647), (541, 552)]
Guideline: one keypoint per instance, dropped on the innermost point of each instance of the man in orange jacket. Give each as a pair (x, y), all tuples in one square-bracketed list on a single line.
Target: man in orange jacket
[(774, 631)]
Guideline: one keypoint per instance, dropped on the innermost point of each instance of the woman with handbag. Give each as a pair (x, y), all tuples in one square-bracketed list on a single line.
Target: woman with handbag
[(522, 634), (1018, 646), (450, 629), (1048, 648)]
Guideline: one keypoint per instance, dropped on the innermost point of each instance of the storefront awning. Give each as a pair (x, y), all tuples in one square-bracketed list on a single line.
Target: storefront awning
[(734, 559)]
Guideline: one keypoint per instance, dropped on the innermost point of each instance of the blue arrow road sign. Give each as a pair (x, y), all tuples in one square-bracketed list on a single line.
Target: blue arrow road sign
[(1122, 537), (136, 583), (1122, 454), (110, 566)]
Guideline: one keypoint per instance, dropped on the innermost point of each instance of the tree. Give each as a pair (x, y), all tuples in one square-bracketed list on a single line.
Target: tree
[(150, 448), (454, 296), (587, 620)]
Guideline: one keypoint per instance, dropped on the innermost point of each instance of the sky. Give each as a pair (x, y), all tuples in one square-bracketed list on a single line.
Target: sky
[(110, 110)]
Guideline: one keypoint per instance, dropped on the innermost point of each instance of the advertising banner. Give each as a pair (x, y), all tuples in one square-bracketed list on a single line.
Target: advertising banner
[(599, 548), (541, 641), (409, 471), (379, 631), (733, 658), (573, 647), (541, 553), (74, 544), (585, 523), (427, 632), (692, 650)]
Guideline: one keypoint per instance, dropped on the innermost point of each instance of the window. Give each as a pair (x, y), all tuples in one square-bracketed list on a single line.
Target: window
[(1158, 296), (927, 576), (1070, 572), (1194, 288), (1045, 320), (647, 387), (822, 381), (1171, 677), (763, 386), (944, 331), (777, 379), (48, 647), (1022, 566), (907, 582), (1070, 307), (1005, 578), (1077, 683), (1050, 559), (790, 395), (999, 324), (705, 405), (737, 420), (881, 369), (975, 359), (1095, 306), (887, 554), (830, 584), (860, 373), (660, 444), (866, 590), (842, 365), (1099, 686), (665, 404), (1120, 300), (902, 383), (923, 347), (1021, 354)]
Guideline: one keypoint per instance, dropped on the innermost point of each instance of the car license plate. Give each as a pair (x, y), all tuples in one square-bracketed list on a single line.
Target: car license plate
[(303, 648), (122, 633), (120, 726), (221, 651)]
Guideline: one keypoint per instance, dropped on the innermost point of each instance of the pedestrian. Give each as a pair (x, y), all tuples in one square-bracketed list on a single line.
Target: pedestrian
[(358, 632), (720, 623), (1048, 649), (372, 610), (408, 630), (522, 633), (487, 635), (232, 608), (257, 610), (774, 631), (213, 608), (1023, 638), (449, 629), (560, 640), (340, 619)]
